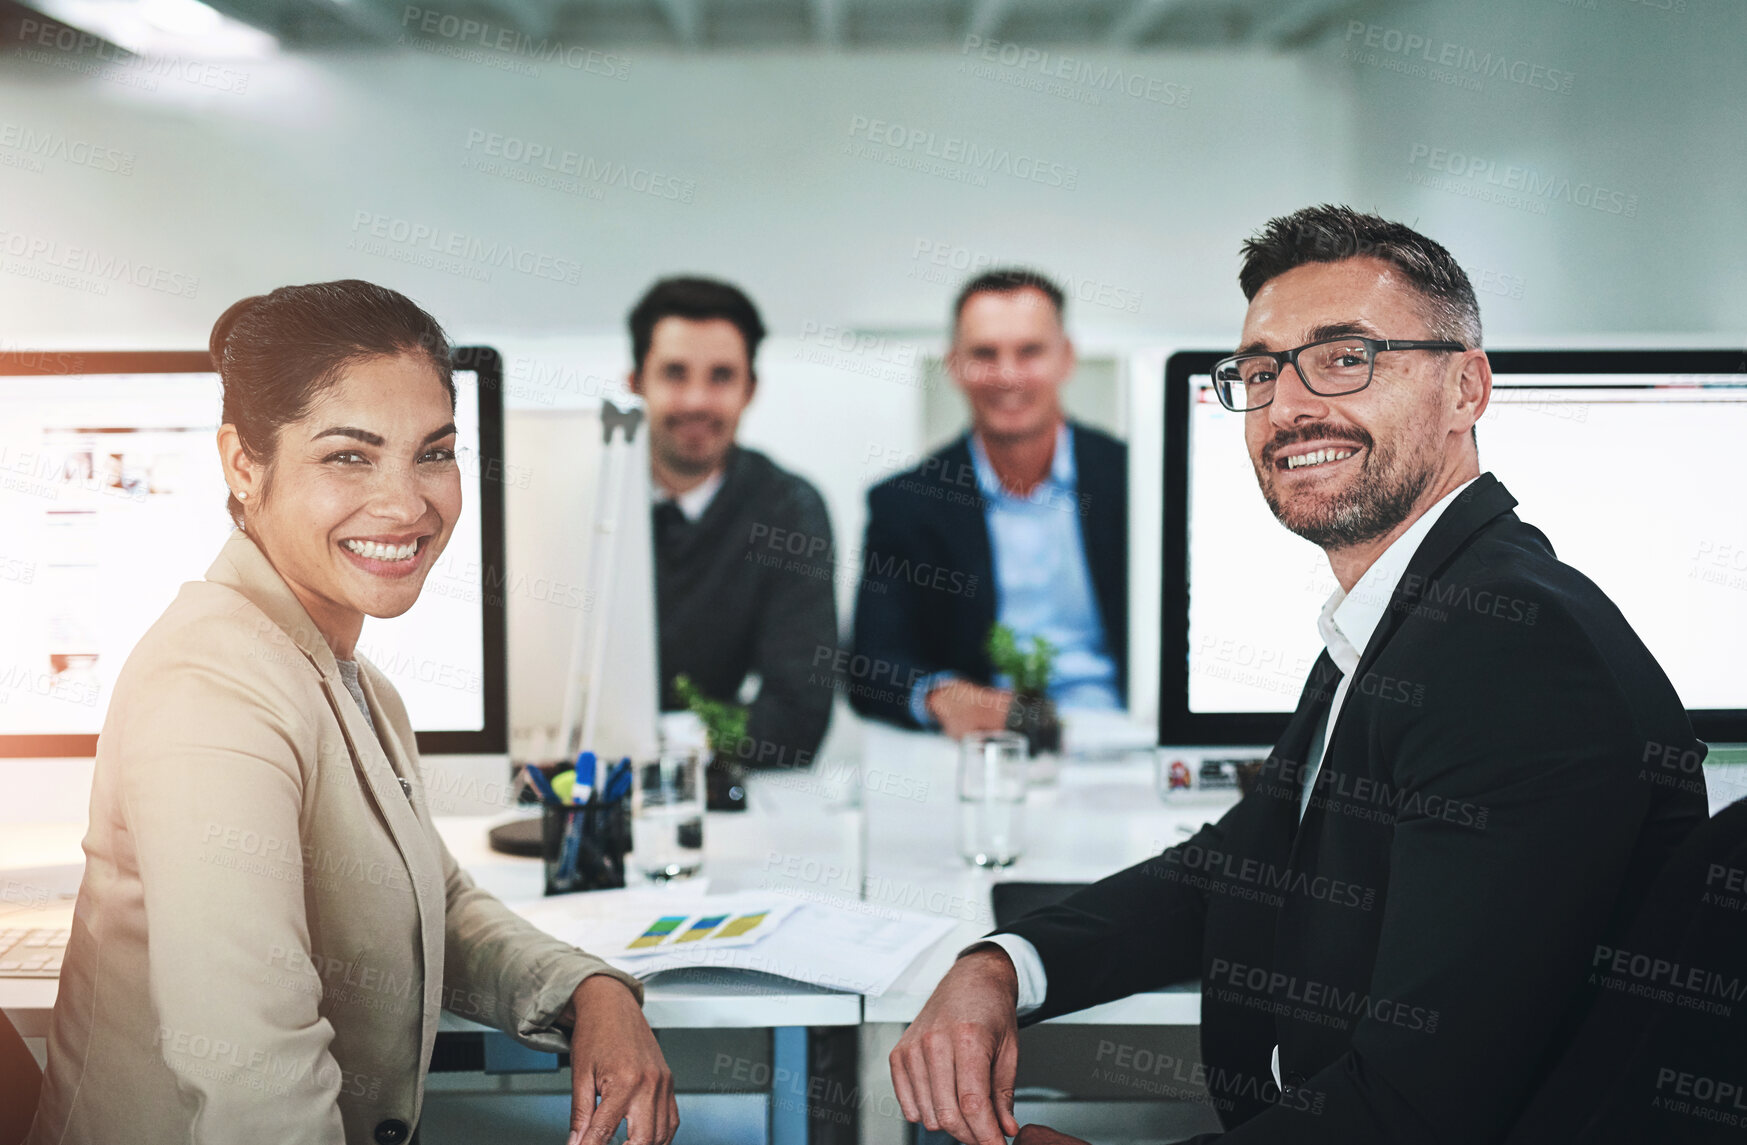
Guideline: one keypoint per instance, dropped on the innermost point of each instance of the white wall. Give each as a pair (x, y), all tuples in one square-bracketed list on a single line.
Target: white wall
[(1651, 114), (248, 191)]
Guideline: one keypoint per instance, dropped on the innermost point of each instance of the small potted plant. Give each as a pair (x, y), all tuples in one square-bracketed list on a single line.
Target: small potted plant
[(724, 730), (1032, 714)]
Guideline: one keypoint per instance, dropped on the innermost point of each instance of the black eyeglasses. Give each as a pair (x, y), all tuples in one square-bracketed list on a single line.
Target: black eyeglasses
[(1328, 368)]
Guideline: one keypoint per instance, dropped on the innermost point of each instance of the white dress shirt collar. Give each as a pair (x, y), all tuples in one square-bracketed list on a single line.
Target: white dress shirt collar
[(695, 500), (1347, 623), (1348, 619)]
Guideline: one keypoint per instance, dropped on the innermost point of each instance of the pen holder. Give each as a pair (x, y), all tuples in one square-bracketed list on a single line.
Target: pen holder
[(583, 847)]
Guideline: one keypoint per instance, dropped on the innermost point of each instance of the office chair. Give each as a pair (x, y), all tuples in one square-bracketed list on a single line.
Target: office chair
[(1661, 1055), (20, 1083)]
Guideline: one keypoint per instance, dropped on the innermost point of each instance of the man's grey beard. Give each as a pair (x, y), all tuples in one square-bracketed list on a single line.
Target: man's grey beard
[(1384, 495)]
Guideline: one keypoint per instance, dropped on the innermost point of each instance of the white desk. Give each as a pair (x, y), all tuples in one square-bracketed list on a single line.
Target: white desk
[(781, 821), (1099, 818), (30, 1001), (803, 832), (738, 849), (900, 848)]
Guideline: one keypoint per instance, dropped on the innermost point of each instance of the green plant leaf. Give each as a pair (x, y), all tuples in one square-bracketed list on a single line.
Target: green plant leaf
[(724, 723), (1030, 669)]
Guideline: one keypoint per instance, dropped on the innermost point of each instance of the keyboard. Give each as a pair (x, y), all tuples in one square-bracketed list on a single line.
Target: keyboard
[(32, 952)]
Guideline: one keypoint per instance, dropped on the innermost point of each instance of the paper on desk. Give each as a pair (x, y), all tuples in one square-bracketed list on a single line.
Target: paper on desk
[(858, 947), (641, 926)]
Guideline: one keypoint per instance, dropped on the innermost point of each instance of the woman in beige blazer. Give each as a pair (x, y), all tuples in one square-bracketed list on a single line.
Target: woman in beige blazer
[(269, 924)]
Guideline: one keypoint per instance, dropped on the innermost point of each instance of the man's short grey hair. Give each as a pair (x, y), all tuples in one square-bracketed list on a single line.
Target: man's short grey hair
[(1331, 233)]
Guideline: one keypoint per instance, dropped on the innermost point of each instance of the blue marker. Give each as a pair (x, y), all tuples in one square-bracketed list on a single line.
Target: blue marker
[(618, 781), (541, 785), (571, 852)]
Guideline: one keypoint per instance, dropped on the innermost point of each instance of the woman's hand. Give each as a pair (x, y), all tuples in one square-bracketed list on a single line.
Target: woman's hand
[(613, 1055)]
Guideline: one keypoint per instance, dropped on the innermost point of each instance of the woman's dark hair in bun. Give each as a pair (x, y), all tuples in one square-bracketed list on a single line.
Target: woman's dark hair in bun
[(277, 353)]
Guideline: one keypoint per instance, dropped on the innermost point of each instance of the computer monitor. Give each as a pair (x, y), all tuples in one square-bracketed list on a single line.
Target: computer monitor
[(111, 496), (1626, 460)]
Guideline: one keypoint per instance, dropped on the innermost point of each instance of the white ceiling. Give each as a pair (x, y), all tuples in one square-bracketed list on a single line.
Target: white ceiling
[(702, 25)]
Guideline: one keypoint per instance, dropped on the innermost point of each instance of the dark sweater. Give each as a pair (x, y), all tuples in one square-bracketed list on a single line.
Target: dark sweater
[(748, 588)]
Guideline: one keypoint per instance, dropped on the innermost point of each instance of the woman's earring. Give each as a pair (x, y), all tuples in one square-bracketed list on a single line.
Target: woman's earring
[(243, 495)]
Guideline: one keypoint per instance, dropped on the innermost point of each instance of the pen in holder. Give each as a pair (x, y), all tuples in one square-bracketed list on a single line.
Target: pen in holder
[(584, 838), (583, 845)]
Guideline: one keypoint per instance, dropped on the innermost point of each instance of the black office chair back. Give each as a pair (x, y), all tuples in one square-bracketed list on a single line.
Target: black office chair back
[(20, 1085), (1662, 1055)]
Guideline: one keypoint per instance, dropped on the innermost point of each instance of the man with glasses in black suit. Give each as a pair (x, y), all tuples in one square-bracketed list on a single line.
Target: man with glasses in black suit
[(1394, 931)]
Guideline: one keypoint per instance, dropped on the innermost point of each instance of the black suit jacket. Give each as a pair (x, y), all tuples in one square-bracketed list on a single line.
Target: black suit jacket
[(1417, 947), (927, 597), (1662, 1056)]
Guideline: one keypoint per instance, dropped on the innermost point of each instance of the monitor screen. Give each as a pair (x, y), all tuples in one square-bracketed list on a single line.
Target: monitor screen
[(1625, 460), (111, 496)]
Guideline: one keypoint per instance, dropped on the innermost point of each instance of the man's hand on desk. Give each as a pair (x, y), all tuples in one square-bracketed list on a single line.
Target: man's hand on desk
[(613, 1053), (962, 707), (954, 1067)]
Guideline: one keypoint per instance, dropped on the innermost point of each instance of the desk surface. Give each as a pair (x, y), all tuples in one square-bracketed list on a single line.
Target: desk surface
[(1098, 818), (738, 847), (883, 831)]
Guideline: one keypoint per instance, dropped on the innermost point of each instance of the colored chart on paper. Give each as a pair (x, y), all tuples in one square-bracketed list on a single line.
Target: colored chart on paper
[(658, 931), (862, 948), (742, 925), (704, 930)]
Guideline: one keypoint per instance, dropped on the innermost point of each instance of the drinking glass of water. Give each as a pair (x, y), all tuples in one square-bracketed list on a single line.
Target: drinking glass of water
[(667, 815), (993, 774)]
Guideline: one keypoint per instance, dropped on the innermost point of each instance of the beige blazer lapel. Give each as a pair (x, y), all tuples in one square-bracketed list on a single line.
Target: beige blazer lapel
[(400, 750), (403, 808), (243, 567), (397, 749)]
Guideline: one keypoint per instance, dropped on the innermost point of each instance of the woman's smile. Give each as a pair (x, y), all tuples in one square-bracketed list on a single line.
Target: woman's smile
[(392, 558)]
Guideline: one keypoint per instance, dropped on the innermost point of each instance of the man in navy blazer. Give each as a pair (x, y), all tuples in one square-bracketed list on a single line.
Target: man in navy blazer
[(1023, 520)]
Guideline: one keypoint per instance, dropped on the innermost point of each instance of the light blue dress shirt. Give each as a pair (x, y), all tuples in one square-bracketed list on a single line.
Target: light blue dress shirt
[(1043, 585)]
